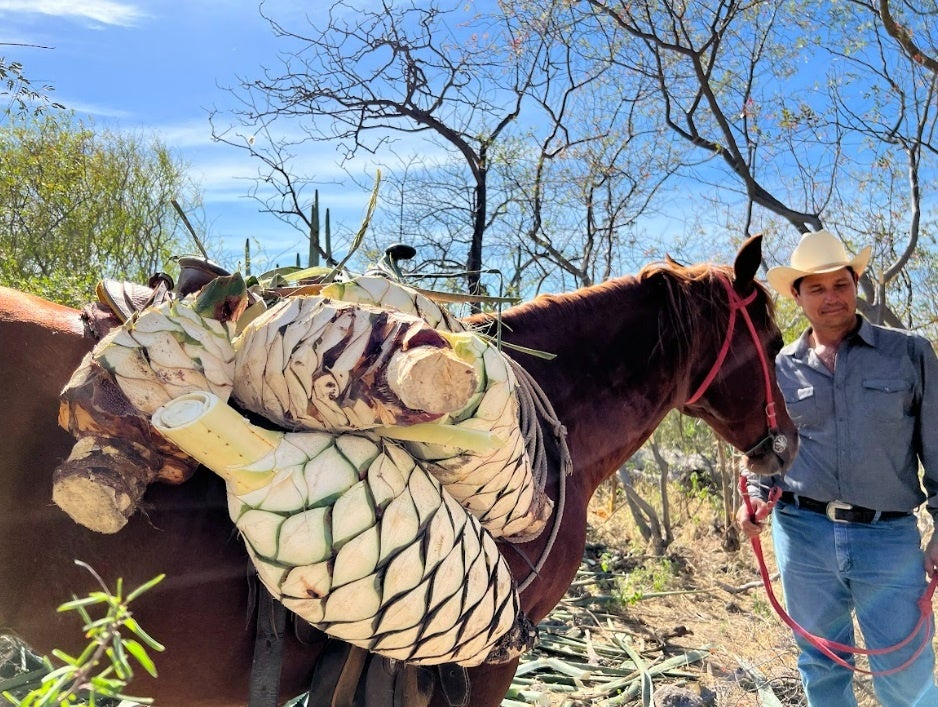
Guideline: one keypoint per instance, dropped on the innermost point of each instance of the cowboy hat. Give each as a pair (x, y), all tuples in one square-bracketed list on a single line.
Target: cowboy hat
[(818, 252)]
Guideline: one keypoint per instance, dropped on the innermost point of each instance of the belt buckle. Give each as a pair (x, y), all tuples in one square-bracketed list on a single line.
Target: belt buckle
[(831, 510)]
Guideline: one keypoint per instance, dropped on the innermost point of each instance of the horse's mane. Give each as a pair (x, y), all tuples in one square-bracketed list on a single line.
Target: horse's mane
[(689, 314), (690, 294)]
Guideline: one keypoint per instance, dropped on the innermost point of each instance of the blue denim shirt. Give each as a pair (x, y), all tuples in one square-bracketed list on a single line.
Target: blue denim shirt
[(864, 427)]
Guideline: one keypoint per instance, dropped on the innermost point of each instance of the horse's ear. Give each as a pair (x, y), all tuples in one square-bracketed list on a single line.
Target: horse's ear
[(747, 263)]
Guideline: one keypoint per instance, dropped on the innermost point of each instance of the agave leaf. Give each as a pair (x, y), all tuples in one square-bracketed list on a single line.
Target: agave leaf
[(222, 299), (360, 236)]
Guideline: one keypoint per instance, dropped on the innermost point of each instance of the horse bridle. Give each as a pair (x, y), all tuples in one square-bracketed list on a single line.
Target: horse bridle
[(775, 440)]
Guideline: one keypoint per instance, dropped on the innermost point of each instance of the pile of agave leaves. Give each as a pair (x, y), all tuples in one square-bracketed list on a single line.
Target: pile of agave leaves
[(588, 657)]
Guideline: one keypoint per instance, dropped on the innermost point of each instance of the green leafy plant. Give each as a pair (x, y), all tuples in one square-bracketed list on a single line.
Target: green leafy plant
[(653, 579), (103, 669)]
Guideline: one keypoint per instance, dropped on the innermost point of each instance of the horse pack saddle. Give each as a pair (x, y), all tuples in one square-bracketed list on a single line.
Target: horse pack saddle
[(119, 299)]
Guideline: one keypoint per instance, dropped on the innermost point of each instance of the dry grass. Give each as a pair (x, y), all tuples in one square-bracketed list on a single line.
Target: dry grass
[(698, 601), (725, 609)]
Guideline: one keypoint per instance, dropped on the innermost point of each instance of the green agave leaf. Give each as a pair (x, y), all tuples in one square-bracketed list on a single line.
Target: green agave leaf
[(360, 236)]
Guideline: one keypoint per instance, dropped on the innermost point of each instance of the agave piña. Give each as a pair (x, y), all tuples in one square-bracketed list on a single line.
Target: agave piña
[(159, 353), (492, 479), (176, 347), (353, 535), (309, 362)]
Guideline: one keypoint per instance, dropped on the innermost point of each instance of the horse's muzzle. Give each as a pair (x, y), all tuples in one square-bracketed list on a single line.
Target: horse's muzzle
[(772, 454)]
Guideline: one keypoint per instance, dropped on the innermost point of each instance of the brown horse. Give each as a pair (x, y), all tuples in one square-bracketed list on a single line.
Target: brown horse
[(627, 352)]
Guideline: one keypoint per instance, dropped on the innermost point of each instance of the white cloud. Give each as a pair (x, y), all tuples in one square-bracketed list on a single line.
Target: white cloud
[(194, 133), (104, 11), (94, 110)]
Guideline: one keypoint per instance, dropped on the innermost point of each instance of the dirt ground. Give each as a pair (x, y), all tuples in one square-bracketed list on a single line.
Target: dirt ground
[(699, 596)]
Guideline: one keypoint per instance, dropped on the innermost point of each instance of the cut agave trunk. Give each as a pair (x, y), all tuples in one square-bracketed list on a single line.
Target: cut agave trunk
[(497, 485), (116, 456), (352, 534)]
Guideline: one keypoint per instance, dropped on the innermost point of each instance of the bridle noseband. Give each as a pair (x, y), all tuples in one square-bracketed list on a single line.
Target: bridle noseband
[(775, 440)]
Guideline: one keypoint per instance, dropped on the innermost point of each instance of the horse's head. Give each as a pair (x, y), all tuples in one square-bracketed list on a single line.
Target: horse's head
[(732, 385)]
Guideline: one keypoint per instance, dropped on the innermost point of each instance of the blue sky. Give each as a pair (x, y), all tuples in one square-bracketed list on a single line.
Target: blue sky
[(157, 67)]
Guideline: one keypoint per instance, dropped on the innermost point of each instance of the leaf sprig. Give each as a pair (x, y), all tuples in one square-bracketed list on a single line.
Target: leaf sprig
[(104, 668)]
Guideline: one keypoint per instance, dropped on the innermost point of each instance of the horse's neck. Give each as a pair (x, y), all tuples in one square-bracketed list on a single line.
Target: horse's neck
[(609, 381)]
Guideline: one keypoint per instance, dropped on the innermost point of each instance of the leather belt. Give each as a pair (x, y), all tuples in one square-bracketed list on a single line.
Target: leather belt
[(841, 512)]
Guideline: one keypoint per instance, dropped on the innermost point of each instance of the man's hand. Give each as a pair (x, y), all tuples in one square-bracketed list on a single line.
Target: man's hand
[(931, 556), (751, 527)]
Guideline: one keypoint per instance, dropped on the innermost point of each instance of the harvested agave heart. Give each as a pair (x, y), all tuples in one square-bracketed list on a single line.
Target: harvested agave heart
[(177, 347), (313, 363), (477, 452), (352, 534), (159, 353)]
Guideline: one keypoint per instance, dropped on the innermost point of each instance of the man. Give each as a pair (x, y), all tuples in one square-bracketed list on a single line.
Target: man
[(865, 400)]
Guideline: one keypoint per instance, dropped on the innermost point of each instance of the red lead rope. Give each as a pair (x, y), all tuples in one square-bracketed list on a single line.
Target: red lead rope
[(824, 645)]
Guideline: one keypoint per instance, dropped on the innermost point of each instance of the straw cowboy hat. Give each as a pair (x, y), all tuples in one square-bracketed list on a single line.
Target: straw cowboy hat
[(818, 252)]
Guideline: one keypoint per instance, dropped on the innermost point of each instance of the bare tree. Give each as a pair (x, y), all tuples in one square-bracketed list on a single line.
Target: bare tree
[(552, 137), (503, 138), (731, 84), (706, 60), (397, 69)]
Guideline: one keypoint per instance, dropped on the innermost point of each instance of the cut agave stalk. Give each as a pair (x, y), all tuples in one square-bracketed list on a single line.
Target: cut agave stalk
[(355, 536)]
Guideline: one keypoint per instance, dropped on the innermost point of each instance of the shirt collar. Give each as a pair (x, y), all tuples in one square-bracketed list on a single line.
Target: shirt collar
[(865, 333)]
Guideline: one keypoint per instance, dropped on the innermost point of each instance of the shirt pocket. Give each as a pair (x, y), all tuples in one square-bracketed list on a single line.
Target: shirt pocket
[(887, 399), (802, 407)]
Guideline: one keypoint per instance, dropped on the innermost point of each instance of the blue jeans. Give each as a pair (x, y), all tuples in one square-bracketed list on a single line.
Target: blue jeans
[(830, 570)]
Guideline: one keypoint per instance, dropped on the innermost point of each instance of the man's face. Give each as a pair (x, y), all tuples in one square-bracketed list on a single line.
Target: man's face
[(829, 300)]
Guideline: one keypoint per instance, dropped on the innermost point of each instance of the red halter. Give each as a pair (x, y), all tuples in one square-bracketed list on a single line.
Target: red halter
[(739, 304)]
